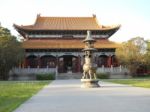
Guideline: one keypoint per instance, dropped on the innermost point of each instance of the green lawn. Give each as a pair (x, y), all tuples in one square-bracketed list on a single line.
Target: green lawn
[(14, 93), (134, 82)]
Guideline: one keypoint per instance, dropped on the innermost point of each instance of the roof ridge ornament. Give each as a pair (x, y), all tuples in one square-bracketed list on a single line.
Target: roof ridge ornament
[(38, 15), (94, 15)]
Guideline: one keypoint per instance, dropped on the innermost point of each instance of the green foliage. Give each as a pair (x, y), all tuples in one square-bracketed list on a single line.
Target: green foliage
[(131, 54), (145, 75), (11, 52), (45, 76), (14, 93), (103, 75), (147, 56)]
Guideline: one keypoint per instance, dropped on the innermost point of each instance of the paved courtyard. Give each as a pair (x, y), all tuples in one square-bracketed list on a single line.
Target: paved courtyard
[(67, 96)]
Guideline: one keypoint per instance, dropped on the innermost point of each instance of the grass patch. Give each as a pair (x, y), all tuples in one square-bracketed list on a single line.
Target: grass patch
[(134, 82), (14, 93)]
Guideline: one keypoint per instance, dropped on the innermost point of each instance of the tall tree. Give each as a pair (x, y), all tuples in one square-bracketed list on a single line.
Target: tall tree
[(132, 54), (147, 55), (11, 52)]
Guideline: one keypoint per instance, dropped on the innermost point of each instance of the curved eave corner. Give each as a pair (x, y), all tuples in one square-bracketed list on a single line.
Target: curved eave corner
[(114, 30), (19, 29)]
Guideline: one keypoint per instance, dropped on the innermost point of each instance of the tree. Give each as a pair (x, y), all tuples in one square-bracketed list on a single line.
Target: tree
[(147, 55), (11, 52), (132, 54)]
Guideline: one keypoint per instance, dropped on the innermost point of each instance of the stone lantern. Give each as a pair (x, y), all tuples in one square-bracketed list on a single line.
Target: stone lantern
[(89, 79)]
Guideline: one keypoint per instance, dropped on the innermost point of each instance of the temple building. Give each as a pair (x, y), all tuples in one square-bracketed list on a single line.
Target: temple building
[(57, 42)]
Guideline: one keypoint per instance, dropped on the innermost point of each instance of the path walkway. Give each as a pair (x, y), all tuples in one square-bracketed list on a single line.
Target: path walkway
[(67, 96)]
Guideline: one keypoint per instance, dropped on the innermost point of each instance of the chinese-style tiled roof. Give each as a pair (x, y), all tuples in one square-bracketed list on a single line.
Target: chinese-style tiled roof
[(66, 23), (66, 44)]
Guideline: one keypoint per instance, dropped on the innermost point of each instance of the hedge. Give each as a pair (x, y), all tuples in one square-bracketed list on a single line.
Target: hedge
[(103, 75), (43, 76)]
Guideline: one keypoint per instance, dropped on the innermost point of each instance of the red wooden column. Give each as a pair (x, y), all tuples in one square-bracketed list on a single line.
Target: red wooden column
[(25, 63), (60, 64), (79, 63), (115, 62), (109, 61)]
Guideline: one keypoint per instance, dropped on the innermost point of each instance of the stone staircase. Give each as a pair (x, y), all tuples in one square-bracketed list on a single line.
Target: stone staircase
[(69, 76)]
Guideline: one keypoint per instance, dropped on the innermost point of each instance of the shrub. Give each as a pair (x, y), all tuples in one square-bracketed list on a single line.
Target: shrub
[(45, 76), (103, 75), (144, 75)]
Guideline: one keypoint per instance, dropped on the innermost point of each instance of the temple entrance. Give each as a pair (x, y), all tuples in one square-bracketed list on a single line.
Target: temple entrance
[(103, 61), (48, 61), (68, 63), (32, 61)]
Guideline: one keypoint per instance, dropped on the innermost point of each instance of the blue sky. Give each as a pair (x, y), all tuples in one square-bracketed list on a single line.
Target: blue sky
[(133, 15)]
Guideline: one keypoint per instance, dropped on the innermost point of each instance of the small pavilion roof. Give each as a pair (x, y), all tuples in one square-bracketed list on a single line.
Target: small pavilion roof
[(66, 44)]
